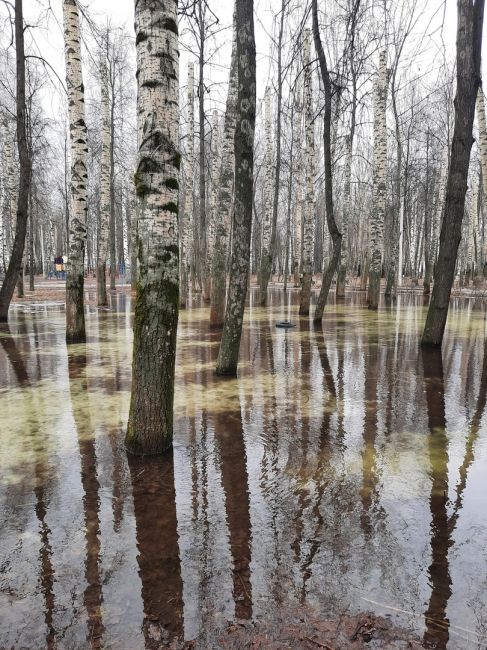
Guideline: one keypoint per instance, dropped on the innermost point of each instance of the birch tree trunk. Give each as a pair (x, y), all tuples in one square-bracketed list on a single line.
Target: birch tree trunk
[(483, 162), (9, 194), (210, 241), (469, 48), (101, 287), (471, 231), (244, 177), (395, 243), (309, 202), (380, 175), (187, 220), (347, 199), (347, 208), (298, 210), (75, 313), (134, 228), (112, 226), (224, 203), (266, 255), (150, 425), (12, 274), (428, 264), (203, 273), (268, 261)]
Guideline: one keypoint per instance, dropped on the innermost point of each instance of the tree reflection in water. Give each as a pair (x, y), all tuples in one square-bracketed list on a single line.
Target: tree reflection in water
[(340, 467)]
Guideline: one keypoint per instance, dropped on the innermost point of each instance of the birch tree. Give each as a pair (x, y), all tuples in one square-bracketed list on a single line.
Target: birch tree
[(483, 161), (187, 217), (75, 313), (266, 267), (469, 49), (150, 425), (380, 176), (266, 255), (104, 187), (9, 189), (224, 202), (298, 210), (305, 297), (244, 177), (210, 243)]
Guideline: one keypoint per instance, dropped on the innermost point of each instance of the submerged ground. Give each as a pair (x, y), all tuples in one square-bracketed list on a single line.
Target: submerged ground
[(342, 471)]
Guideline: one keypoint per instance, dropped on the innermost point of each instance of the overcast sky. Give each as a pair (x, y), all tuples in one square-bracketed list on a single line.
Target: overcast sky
[(49, 38)]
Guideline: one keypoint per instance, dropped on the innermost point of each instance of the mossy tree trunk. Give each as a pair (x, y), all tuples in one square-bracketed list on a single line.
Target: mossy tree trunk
[(380, 177), (309, 204), (14, 266), (469, 48), (101, 286), (187, 217), (150, 425), (224, 202), (75, 311), (244, 177)]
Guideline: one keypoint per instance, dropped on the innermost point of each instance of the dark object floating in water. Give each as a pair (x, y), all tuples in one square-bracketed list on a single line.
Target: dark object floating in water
[(285, 324)]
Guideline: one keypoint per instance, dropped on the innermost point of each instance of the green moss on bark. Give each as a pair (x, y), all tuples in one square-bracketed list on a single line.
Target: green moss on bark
[(171, 207), (172, 183)]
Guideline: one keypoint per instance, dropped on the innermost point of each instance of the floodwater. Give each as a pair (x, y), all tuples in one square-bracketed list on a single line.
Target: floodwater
[(343, 470)]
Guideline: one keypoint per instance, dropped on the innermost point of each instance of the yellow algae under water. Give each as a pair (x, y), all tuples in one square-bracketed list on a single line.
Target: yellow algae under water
[(342, 469)]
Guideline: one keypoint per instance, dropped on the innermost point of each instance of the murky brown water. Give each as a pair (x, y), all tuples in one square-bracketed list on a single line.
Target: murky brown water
[(342, 469)]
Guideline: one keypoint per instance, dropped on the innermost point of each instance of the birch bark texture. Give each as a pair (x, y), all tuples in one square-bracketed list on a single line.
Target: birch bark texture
[(298, 210), (10, 198), (150, 425), (187, 220), (469, 48), (75, 312), (101, 286), (244, 179), (380, 177), (309, 200), (266, 255), (483, 162), (213, 198), (224, 202)]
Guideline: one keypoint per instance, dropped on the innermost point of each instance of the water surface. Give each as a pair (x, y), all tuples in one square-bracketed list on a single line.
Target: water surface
[(343, 470)]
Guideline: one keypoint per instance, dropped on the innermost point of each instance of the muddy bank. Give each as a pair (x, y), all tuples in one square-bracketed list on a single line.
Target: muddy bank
[(304, 630)]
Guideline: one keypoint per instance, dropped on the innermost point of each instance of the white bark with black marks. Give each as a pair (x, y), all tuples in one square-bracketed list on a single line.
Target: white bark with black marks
[(104, 185), (75, 315), (186, 219), (376, 231), (150, 426), (309, 204)]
